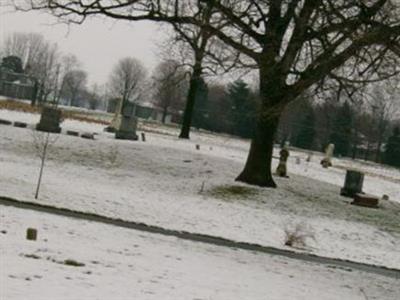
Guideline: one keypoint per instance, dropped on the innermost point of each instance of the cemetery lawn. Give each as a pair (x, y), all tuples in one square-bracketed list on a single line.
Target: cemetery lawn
[(167, 182)]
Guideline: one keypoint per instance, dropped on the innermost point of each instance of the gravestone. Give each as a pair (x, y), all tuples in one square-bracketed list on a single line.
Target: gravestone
[(20, 124), (50, 120), (327, 160), (128, 125), (365, 200), (143, 137), (281, 170), (72, 133), (298, 160), (31, 234), (353, 183), (87, 135), (5, 122)]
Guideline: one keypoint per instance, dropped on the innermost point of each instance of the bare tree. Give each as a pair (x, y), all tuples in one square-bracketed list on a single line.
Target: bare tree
[(74, 83), (127, 80), (295, 45), (42, 142), (197, 49), (170, 86)]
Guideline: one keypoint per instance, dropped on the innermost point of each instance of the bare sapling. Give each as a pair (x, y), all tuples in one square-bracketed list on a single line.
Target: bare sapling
[(42, 141)]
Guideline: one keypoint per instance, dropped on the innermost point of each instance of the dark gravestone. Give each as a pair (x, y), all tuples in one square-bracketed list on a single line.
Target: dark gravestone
[(72, 133), (20, 124), (353, 183), (31, 234), (87, 135), (50, 120), (5, 122), (109, 129), (365, 200)]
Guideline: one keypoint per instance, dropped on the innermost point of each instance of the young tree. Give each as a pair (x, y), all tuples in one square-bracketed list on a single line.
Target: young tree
[(294, 44), (42, 142)]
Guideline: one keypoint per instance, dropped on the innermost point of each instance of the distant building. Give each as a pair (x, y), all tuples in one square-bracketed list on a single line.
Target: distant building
[(16, 85)]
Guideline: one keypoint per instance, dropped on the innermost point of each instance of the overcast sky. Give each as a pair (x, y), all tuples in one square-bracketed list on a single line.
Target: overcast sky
[(98, 43)]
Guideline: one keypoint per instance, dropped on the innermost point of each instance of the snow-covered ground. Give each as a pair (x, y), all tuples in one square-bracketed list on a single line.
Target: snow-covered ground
[(121, 264), (166, 182)]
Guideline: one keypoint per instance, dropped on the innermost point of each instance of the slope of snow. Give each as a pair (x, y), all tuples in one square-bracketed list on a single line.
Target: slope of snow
[(166, 182), (126, 264)]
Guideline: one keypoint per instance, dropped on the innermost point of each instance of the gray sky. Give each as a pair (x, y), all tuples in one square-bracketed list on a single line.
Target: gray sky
[(98, 43)]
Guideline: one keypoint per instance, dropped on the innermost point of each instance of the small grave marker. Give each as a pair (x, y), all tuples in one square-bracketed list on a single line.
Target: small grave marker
[(20, 124), (365, 200), (5, 122), (31, 234), (72, 133), (87, 135)]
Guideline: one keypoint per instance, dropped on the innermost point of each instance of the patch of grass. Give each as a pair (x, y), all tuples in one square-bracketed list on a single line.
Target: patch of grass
[(232, 192)]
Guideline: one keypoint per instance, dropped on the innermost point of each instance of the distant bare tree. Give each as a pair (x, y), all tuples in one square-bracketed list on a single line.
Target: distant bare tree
[(170, 86), (74, 83), (94, 97), (127, 80)]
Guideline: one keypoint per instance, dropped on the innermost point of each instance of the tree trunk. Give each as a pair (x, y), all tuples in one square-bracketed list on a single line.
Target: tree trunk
[(257, 170), (190, 102)]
